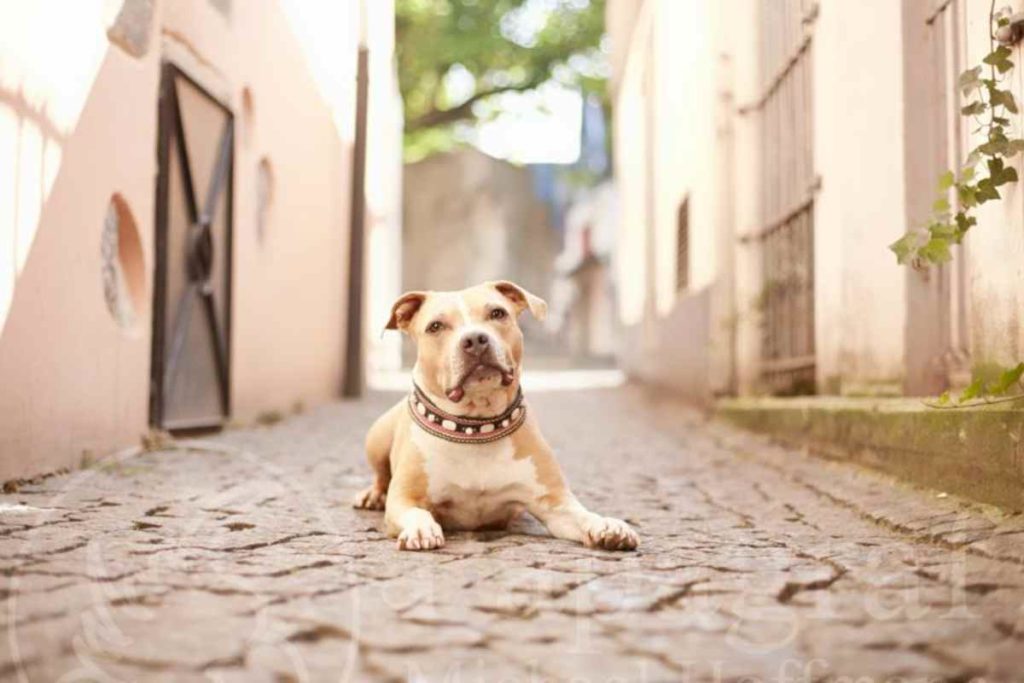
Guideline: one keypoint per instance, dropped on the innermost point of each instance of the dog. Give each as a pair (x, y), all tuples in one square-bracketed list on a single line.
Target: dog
[(463, 451)]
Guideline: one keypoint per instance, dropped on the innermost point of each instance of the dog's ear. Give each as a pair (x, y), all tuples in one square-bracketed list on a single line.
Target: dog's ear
[(521, 298), (404, 309)]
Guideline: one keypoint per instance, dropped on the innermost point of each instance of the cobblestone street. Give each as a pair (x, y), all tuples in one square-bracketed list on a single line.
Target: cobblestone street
[(238, 557)]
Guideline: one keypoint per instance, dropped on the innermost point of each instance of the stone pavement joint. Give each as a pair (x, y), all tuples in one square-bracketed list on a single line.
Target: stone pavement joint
[(238, 558)]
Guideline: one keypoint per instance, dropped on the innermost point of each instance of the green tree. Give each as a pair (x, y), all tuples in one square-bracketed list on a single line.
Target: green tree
[(454, 55)]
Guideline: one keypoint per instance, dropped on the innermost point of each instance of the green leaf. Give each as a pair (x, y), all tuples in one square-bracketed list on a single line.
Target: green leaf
[(1014, 147), (986, 191), (994, 148), (1007, 379), (1002, 98), (946, 181), (963, 224), (942, 230), (974, 109), (967, 174), (936, 250), (904, 248), (1000, 59), (969, 81), (999, 173), (973, 390), (943, 399), (940, 205), (966, 195), (995, 167)]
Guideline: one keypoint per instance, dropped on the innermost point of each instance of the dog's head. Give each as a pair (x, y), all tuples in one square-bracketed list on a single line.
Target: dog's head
[(469, 347)]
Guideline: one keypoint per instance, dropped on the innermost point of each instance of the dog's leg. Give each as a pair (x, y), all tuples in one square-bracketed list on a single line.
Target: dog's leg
[(559, 510), (378, 453), (405, 514), (415, 528), (568, 519)]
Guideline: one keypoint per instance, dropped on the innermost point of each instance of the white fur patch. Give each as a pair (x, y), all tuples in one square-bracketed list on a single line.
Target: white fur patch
[(464, 309), (471, 485)]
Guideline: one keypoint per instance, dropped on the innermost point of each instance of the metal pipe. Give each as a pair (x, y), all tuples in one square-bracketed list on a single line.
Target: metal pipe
[(354, 382)]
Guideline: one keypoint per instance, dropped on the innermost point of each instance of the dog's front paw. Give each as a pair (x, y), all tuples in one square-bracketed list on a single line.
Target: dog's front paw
[(611, 534), (423, 534), (370, 498)]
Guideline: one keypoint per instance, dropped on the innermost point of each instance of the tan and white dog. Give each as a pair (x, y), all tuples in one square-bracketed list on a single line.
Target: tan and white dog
[(462, 451)]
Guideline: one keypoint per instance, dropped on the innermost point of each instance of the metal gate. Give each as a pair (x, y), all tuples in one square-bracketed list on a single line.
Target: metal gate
[(190, 376), (788, 185)]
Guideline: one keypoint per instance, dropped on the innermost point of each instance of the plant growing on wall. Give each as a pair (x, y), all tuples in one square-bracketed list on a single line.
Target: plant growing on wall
[(984, 172)]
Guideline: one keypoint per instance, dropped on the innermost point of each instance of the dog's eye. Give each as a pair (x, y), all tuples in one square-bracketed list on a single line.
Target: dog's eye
[(498, 314), (435, 327)]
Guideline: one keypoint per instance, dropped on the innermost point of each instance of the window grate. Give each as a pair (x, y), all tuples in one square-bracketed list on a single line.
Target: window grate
[(788, 185)]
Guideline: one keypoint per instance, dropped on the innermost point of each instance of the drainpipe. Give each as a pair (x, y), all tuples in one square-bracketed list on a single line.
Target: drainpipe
[(354, 381)]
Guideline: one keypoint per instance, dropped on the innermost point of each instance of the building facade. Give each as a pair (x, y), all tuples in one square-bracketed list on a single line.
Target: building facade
[(767, 152), (469, 217), (174, 214)]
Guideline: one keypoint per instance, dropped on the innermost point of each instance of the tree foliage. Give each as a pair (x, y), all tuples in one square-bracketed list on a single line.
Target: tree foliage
[(493, 46)]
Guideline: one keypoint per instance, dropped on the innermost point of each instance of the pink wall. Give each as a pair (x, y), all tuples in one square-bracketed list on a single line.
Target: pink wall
[(72, 380)]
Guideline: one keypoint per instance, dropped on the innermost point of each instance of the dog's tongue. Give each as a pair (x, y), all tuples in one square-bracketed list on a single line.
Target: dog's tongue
[(456, 394)]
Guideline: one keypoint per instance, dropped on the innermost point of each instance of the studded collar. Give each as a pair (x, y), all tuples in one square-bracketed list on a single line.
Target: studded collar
[(461, 429)]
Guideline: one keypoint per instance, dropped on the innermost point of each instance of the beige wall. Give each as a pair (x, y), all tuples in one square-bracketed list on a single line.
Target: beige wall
[(860, 301), (383, 193), (468, 218), (78, 124), (669, 143), (995, 248), (683, 89)]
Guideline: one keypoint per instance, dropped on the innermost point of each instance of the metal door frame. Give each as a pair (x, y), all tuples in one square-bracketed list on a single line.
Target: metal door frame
[(788, 185), (170, 119)]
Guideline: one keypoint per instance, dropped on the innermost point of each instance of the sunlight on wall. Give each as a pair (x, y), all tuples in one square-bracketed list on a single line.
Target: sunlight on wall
[(50, 53), (326, 31), (631, 174)]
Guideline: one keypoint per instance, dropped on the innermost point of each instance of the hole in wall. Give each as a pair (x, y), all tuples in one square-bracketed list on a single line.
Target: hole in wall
[(264, 196), (124, 266)]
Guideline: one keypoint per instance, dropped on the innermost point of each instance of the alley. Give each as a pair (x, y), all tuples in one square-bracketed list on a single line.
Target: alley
[(238, 557)]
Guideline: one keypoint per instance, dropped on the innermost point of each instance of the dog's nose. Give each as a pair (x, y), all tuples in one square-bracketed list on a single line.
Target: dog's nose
[(475, 343)]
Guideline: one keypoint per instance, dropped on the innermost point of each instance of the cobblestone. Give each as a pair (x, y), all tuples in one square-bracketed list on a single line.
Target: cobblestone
[(238, 558)]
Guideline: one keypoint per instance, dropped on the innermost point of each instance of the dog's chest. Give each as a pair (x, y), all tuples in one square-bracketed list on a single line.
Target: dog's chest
[(473, 485)]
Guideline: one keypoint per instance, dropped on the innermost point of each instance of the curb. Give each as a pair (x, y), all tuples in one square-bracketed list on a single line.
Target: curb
[(973, 452)]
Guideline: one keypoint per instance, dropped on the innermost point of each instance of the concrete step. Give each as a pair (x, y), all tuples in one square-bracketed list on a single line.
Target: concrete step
[(973, 452)]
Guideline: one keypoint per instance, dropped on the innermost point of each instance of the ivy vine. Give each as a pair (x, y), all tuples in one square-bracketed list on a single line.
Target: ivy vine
[(977, 182)]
